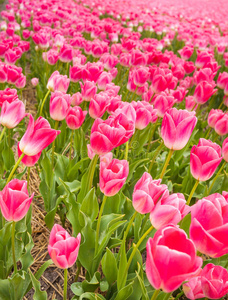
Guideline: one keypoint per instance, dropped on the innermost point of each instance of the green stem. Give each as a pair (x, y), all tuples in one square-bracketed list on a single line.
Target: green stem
[(133, 254), (221, 104), (125, 96), (53, 147), (126, 150), (92, 167), (155, 294), (152, 133), (133, 137), (198, 111), (2, 133), (78, 271), (208, 133), (28, 176), (15, 168), (13, 247), (134, 94), (166, 163), (179, 295), (43, 102), (215, 178), (192, 192), (167, 296), (71, 144), (155, 156), (144, 222), (65, 285), (99, 223)]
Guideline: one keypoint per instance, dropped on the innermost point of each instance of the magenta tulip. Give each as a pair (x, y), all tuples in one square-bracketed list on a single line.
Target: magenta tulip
[(147, 192), (37, 136), (177, 127), (75, 117), (58, 82), (214, 281), (204, 159), (59, 105), (209, 225), (15, 200), (12, 113), (113, 174), (171, 259), (193, 288), (63, 249), (225, 150)]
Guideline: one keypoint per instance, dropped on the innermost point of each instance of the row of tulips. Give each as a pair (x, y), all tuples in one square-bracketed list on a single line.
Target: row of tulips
[(128, 142)]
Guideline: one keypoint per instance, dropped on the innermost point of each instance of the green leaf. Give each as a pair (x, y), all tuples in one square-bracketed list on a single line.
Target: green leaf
[(185, 223), (133, 166), (90, 205), (139, 275), (8, 158), (91, 296), (93, 284), (50, 216), (77, 289), (39, 295), (122, 266), (109, 266), (125, 292)]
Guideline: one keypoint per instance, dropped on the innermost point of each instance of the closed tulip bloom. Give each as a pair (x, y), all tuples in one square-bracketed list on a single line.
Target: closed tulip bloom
[(113, 174), (15, 200), (214, 116), (140, 76), (204, 90), (171, 259), (193, 288), (76, 73), (169, 210), (88, 90), (177, 127), (28, 161), (147, 192), (66, 53), (38, 136), (190, 103), (58, 82), (225, 149), (204, 159), (63, 249), (214, 281), (145, 113), (98, 105), (59, 105), (76, 99), (104, 79), (162, 103), (35, 81), (221, 126), (106, 135), (8, 95), (12, 113), (75, 117), (209, 225)]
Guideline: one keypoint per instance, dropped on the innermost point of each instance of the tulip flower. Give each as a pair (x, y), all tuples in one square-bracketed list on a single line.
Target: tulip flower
[(171, 259), (204, 90), (12, 113), (113, 174), (98, 105), (225, 150), (147, 192), (8, 95), (193, 288), (15, 200), (37, 136), (214, 281), (59, 105), (75, 117), (88, 90), (204, 159), (209, 225), (58, 82)]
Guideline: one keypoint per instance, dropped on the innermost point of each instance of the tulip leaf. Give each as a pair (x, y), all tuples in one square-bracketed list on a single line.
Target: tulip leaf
[(90, 205), (109, 263), (137, 226), (185, 223), (122, 266), (139, 275), (50, 216), (77, 289), (39, 295), (112, 205), (125, 292), (73, 171), (74, 210), (136, 259), (133, 166), (93, 284), (91, 296), (8, 158)]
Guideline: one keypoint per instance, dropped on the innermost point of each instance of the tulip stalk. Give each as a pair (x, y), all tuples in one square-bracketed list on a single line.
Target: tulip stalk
[(215, 178), (166, 163), (152, 133), (99, 223), (53, 147), (2, 133), (15, 168), (13, 247), (65, 285), (126, 150), (135, 248), (155, 156), (43, 102), (92, 167), (155, 294), (71, 144), (192, 192)]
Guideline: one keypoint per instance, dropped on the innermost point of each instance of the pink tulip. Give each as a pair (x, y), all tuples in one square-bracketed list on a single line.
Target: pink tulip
[(75, 117), (162, 103), (8, 95), (186, 52), (204, 90), (145, 113), (98, 105), (28, 161), (37, 136), (209, 225), (35, 81), (204, 159), (214, 281), (177, 127), (225, 149), (92, 71), (76, 73), (106, 135), (66, 53), (88, 90), (147, 192), (59, 105), (15, 200), (52, 57), (179, 94), (169, 210), (214, 116), (76, 99), (20, 82), (140, 76), (190, 103), (193, 288), (12, 113), (113, 174), (104, 79), (171, 259), (63, 249), (221, 126), (58, 82), (222, 80)]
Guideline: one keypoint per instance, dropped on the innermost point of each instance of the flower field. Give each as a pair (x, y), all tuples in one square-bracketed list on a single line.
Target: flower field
[(114, 150)]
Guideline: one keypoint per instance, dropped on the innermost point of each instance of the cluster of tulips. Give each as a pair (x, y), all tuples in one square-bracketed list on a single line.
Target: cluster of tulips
[(128, 141)]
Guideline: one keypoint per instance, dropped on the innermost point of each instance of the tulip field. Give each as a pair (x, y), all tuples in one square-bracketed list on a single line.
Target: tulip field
[(114, 150)]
